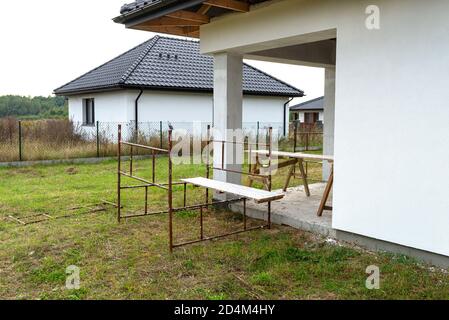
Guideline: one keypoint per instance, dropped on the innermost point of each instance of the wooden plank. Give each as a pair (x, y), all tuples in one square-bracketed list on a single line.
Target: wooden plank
[(296, 155), (233, 5), (189, 16), (172, 22), (180, 31), (204, 9), (326, 194), (260, 196)]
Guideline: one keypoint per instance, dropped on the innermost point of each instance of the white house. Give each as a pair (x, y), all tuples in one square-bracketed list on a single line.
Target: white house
[(386, 96), (309, 112), (167, 79)]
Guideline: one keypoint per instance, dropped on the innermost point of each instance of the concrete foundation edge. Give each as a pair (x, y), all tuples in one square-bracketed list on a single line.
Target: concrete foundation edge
[(385, 246)]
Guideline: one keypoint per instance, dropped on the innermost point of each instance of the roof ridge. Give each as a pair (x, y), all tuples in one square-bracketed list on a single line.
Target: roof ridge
[(90, 71), (139, 60), (277, 79)]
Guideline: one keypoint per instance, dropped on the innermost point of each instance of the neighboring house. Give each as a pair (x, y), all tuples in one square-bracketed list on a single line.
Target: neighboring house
[(386, 96), (167, 79), (309, 112)]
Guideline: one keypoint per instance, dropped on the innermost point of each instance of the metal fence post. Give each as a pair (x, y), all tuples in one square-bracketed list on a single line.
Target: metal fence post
[(20, 141), (161, 135), (257, 135), (295, 138), (307, 140), (98, 139)]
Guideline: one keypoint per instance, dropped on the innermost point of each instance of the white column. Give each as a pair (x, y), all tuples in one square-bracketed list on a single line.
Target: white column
[(228, 97), (329, 118)]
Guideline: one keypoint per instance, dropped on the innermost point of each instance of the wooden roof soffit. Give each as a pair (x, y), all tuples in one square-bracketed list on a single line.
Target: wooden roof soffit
[(187, 23), (232, 5)]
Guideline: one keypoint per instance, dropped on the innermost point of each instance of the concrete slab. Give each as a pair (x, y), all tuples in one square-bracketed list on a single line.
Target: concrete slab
[(296, 210)]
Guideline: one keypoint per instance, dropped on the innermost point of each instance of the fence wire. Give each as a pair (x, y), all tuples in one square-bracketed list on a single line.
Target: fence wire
[(64, 139)]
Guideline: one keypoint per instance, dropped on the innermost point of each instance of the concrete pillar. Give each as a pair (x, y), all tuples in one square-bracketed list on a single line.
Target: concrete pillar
[(228, 113), (329, 117)]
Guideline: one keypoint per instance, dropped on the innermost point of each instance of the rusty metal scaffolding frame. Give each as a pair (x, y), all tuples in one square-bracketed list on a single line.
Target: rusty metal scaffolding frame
[(169, 186)]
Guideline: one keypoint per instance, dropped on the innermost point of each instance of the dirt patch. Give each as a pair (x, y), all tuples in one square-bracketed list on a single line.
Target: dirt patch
[(72, 171)]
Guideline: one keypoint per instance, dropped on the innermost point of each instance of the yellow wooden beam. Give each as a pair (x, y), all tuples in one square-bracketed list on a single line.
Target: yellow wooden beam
[(171, 22), (229, 4), (189, 16), (204, 9), (187, 31)]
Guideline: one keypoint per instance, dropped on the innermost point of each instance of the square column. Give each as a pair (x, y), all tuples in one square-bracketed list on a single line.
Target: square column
[(228, 114), (329, 118)]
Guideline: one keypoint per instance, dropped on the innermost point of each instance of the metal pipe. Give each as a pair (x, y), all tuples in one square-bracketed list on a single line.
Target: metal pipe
[(219, 237), (144, 147), (185, 194), (241, 143), (240, 172), (244, 215), (20, 141), (153, 175), (146, 199), (201, 224), (207, 161), (223, 155), (170, 189), (143, 180), (270, 179), (194, 207), (131, 161), (119, 172)]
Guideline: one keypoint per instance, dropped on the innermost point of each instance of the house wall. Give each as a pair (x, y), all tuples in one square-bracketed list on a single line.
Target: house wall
[(391, 100), (176, 107), (116, 106), (155, 106), (301, 115)]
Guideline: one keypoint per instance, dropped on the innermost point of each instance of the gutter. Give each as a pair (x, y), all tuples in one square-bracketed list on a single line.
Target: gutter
[(285, 116), (136, 110)]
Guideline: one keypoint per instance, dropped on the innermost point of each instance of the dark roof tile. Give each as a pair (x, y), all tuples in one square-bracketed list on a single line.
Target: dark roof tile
[(169, 63), (315, 104)]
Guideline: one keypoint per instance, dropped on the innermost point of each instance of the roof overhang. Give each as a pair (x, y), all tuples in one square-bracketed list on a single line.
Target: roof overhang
[(177, 17), (67, 93)]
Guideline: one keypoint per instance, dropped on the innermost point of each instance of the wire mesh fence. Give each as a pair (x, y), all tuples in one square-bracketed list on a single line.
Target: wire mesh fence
[(64, 139)]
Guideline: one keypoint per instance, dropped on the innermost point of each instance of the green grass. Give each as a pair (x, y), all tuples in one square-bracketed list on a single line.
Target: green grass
[(131, 260)]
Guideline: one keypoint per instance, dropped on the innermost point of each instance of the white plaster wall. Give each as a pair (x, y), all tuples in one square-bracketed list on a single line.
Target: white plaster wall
[(114, 106), (391, 103), (155, 106), (175, 106), (268, 111)]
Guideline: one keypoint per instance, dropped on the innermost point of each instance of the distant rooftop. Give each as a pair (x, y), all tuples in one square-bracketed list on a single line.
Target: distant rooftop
[(170, 64), (315, 104)]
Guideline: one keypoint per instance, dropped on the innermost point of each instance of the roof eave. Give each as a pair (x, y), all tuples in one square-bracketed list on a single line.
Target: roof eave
[(165, 88), (154, 11)]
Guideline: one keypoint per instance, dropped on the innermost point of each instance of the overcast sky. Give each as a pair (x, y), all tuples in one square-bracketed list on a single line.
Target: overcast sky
[(46, 43)]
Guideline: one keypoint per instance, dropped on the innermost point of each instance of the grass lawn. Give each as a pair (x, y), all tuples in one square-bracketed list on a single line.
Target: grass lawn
[(131, 260)]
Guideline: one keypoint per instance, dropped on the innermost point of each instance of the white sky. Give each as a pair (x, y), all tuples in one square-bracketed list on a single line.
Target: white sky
[(47, 43)]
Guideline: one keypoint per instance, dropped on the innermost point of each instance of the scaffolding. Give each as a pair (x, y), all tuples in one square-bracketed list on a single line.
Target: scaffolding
[(168, 186)]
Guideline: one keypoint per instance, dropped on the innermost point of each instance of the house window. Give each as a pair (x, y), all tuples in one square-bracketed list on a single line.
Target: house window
[(88, 112), (311, 117)]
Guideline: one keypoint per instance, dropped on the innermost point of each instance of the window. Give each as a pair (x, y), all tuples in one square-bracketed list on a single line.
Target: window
[(88, 112), (311, 117)]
